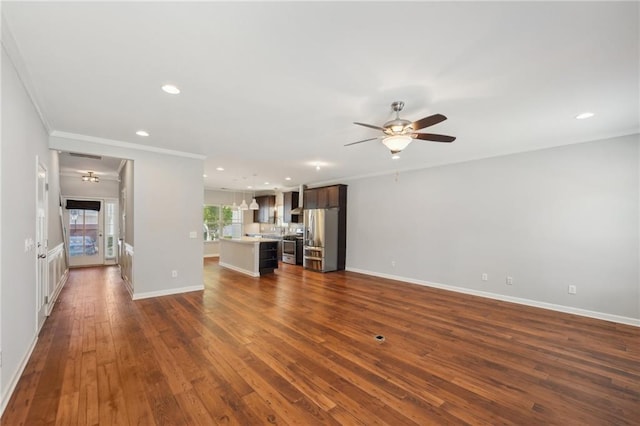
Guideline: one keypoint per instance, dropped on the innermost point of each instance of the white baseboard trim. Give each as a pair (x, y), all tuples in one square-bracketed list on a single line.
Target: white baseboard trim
[(241, 270), (502, 297), (56, 292), (212, 255), (128, 286), (168, 292), (6, 396)]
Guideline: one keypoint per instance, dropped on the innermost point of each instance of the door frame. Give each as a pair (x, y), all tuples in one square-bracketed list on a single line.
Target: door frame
[(100, 230), (41, 242)]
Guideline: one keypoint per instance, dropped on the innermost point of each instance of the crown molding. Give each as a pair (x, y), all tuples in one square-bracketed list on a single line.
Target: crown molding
[(11, 48), (126, 145)]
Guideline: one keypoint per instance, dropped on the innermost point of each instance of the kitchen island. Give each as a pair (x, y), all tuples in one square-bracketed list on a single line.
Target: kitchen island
[(249, 255)]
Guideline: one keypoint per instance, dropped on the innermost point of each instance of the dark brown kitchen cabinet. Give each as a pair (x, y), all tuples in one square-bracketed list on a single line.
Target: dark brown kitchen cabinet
[(325, 197), (268, 260), (266, 210), (310, 199), (290, 202)]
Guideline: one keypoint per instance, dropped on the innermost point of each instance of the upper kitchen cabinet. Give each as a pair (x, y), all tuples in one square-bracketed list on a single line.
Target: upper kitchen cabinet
[(310, 199), (325, 197), (290, 202), (266, 212)]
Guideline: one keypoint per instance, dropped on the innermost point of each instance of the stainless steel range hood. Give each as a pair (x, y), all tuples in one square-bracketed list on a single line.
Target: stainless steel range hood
[(300, 208)]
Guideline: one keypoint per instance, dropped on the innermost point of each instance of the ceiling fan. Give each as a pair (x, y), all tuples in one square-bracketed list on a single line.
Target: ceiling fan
[(399, 133)]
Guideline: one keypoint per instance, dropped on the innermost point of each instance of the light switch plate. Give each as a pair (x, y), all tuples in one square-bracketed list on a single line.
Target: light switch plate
[(193, 234)]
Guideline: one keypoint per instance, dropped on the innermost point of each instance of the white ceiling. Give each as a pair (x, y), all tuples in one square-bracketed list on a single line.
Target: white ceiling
[(271, 88)]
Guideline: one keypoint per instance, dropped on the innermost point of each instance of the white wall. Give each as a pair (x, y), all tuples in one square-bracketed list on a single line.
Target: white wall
[(23, 138), (548, 218), (168, 193)]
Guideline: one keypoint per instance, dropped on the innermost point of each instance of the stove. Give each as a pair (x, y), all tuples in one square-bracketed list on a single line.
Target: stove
[(292, 249)]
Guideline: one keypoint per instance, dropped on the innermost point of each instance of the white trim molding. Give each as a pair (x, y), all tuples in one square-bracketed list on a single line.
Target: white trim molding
[(168, 292), (16, 377), (10, 46), (58, 275), (518, 300), (122, 144), (241, 270), (126, 266)]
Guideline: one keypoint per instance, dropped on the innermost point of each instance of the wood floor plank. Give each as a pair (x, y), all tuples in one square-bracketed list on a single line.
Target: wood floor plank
[(298, 347)]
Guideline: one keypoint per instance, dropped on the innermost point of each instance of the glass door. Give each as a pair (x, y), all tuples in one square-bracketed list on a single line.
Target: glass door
[(85, 237)]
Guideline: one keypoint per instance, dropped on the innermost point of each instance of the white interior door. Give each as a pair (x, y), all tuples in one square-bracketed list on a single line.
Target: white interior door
[(85, 236), (41, 246)]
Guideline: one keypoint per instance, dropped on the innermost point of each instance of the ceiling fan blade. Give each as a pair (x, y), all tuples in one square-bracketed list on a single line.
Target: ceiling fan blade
[(364, 140), (433, 137), (369, 125), (428, 121)]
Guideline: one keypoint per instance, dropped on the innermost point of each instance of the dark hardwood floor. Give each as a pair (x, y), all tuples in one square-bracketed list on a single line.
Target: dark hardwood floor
[(298, 347)]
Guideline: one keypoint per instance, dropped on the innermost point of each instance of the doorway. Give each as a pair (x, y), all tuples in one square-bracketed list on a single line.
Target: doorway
[(84, 220)]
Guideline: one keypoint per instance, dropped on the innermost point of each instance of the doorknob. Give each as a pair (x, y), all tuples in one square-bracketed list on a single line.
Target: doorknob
[(42, 256)]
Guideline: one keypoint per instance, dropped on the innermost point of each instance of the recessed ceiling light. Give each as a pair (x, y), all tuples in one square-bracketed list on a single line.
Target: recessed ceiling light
[(584, 115), (142, 133), (204, 176), (395, 157), (249, 187), (287, 178), (220, 169), (266, 183), (171, 89), (318, 167)]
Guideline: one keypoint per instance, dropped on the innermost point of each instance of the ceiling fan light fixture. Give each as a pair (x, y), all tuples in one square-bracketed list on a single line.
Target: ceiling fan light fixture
[(397, 143), (398, 127)]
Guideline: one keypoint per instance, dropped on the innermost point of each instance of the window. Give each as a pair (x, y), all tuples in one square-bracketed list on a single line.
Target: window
[(110, 230), (221, 221)]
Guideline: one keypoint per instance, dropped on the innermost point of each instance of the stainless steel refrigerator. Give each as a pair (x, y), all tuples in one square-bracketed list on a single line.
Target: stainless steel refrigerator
[(321, 239)]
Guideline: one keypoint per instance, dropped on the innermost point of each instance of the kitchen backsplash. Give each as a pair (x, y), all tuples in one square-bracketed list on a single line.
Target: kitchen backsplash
[(266, 228)]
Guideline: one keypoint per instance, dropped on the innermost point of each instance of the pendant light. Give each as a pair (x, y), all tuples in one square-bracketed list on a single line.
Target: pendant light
[(254, 204), (243, 204), (234, 207)]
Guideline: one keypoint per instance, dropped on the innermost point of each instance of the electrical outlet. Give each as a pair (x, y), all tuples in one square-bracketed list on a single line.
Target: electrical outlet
[(572, 289), (509, 280), (393, 263), (485, 277), (174, 274)]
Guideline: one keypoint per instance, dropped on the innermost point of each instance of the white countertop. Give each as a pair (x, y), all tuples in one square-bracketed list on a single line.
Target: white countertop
[(249, 240)]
